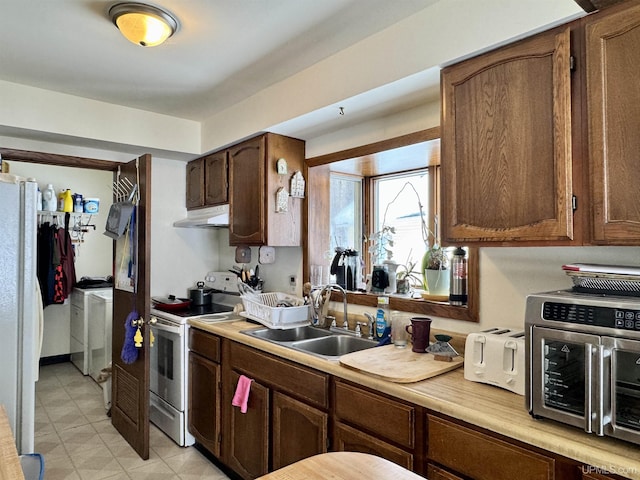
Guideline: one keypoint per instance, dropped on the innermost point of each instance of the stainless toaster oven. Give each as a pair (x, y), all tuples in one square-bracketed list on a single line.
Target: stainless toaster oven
[(583, 361)]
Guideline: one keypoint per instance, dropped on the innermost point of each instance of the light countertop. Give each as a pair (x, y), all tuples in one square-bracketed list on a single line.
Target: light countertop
[(485, 406)]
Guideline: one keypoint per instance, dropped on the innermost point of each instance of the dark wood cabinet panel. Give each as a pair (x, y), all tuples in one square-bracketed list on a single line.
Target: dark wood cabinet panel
[(436, 473), (483, 457), (310, 386), (247, 184), (613, 105), (349, 439), (204, 344), (246, 437), (204, 402), (254, 183), (195, 184), (299, 431), (216, 179), (399, 419), (207, 181), (506, 143)]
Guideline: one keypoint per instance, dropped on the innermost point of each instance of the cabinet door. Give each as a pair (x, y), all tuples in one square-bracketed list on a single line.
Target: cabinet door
[(246, 190), (347, 439), (247, 437), (216, 181), (613, 102), (506, 144), (195, 183), (299, 431), (204, 402)]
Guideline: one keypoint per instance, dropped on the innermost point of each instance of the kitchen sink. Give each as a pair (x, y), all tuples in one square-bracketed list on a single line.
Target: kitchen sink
[(334, 345), (313, 340), (288, 335)]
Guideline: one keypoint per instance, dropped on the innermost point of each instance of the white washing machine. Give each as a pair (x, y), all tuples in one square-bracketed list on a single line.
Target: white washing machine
[(79, 341), (100, 322)]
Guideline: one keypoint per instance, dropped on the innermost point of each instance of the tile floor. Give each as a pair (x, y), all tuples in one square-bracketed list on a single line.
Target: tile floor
[(78, 441)]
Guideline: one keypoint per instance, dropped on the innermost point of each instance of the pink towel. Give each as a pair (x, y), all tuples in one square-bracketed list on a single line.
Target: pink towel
[(241, 397)]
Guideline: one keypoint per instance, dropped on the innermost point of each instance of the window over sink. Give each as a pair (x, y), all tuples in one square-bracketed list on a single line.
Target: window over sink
[(361, 174)]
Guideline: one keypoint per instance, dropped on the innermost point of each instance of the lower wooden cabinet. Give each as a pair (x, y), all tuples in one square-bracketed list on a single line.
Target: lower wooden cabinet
[(203, 409), (368, 422), (299, 431), (277, 428), (204, 402), (246, 440)]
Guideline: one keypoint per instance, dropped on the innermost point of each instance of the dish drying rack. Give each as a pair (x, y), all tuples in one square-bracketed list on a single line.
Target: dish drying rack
[(273, 309), (616, 281)]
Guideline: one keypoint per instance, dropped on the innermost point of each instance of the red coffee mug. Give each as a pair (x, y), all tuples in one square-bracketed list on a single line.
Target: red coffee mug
[(419, 330)]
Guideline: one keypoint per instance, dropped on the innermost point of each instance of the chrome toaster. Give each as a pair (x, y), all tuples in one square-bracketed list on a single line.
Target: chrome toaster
[(496, 356)]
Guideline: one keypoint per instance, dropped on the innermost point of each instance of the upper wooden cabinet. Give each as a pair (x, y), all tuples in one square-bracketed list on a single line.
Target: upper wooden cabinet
[(254, 183), (207, 181), (524, 140), (506, 143), (613, 102)]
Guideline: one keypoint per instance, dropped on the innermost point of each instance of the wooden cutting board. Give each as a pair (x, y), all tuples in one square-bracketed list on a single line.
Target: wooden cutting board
[(399, 365)]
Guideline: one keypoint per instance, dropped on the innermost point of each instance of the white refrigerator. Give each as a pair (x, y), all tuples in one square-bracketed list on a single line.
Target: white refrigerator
[(20, 307)]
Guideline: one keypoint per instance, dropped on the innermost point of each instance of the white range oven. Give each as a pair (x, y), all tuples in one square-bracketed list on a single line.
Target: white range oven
[(169, 357)]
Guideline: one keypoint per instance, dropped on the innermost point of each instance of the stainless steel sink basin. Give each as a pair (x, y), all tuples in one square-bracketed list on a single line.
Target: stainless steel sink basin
[(334, 346), (313, 340), (289, 335)]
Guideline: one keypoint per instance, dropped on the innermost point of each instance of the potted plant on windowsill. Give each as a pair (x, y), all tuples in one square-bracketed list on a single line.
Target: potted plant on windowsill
[(407, 277), (435, 266)]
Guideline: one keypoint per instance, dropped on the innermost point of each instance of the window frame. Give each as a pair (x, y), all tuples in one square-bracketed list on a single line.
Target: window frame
[(315, 249)]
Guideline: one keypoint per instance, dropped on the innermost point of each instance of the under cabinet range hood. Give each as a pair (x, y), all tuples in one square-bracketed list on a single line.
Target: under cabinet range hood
[(217, 216)]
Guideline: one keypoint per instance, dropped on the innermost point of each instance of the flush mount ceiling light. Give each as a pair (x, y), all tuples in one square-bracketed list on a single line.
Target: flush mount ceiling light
[(142, 24)]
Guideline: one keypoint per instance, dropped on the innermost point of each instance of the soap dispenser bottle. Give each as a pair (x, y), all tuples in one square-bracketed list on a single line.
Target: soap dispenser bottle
[(382, 316)]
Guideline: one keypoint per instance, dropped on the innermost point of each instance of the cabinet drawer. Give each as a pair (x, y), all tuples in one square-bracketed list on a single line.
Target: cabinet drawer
[(204, 344), (387, 418), (483, 457), (348, 439), (306, 384), (435, 473)]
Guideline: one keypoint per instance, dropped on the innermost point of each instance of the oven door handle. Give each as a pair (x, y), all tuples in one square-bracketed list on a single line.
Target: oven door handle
[(588, 390), (166, 328)]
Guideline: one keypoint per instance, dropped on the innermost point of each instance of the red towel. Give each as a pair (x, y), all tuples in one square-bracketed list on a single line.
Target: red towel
[(241, 397)]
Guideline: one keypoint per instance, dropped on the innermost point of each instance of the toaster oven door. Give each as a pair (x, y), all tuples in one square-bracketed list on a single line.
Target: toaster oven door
[(565, 372), (624, 407)]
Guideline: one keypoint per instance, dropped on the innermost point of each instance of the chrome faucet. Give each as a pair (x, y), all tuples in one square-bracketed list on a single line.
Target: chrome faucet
[(333, 286), (371, 324)]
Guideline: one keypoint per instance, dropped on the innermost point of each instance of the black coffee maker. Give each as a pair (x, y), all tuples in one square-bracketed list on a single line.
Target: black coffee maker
[(346, 267)]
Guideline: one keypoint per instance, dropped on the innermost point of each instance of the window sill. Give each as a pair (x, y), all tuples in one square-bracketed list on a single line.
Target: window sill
[(414, 305)]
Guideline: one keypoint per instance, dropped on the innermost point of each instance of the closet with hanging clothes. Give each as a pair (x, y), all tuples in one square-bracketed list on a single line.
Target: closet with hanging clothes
[(55, 258)]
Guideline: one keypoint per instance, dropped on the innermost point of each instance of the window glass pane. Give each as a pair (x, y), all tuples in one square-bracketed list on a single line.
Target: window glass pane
[(346, 212), (397, 204)]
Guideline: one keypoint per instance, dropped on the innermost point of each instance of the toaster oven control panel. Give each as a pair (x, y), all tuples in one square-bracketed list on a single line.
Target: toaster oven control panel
[(608, 317)]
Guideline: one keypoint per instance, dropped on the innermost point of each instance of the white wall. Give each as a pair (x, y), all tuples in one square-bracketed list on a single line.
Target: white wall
[(180, 256)]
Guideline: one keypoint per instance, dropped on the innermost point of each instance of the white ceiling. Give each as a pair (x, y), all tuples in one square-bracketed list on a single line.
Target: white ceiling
[(224, 50)]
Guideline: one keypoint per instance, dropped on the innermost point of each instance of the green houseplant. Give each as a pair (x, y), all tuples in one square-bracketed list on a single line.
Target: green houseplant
[(435, 266)]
